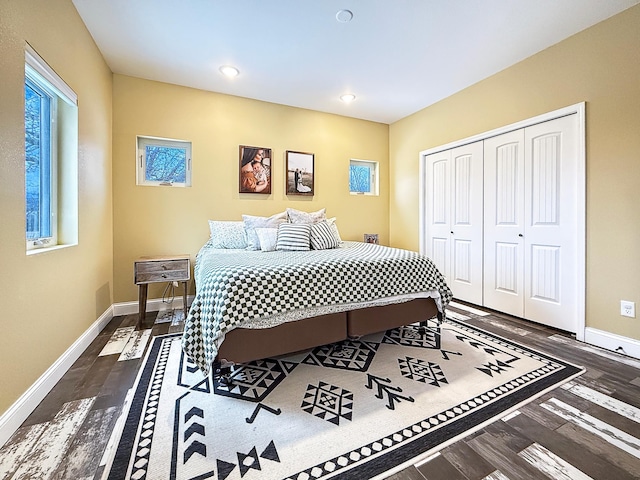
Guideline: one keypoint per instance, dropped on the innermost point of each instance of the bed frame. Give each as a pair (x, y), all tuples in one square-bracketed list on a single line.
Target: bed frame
[(243, 345)]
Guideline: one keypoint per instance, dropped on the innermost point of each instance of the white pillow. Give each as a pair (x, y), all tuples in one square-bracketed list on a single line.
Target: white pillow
[(227, 234), (251, 223), (322, 237), (298, 216), (334, 228), (268, 238), (294, 237)]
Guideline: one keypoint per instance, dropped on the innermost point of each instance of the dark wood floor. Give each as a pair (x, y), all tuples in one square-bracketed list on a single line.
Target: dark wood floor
[(589, 428)]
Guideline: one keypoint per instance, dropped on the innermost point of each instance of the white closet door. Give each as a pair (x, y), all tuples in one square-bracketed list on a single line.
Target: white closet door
[(551, 246), (466, 266), (530, 192), (438, 211), (504, 223)]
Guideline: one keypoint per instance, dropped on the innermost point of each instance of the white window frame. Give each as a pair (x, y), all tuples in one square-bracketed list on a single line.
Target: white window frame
[(375, 176), (46, 79), (141, 160), (52, 159)]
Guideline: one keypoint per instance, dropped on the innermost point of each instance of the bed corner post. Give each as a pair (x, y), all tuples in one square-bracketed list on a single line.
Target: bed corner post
[(424, 324), (221, 373)]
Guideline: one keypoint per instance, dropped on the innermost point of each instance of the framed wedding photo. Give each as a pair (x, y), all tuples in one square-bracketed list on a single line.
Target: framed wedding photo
[(299, 173), (255, 170)]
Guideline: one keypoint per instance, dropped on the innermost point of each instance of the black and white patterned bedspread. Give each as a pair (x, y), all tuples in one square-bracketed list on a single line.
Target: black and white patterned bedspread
[(233, 286)]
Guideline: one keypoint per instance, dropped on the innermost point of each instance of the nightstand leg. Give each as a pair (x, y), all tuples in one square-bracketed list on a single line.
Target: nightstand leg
[(184, 299), (142, 304)]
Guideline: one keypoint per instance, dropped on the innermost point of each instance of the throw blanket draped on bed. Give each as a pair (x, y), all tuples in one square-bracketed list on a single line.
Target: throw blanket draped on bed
[(236, 286)]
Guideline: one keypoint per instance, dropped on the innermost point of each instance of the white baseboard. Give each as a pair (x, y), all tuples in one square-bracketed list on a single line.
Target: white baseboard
[(153, 305), (611, 341), (11, 420)]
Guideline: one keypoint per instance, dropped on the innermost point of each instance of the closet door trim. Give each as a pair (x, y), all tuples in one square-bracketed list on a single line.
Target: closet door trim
[(577, 109)]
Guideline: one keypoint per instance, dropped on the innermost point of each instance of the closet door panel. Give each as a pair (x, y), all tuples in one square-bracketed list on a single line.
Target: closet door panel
[(551, 223), (504, 223), (438, 210), (507, 272), (439, 253), (466, 223)]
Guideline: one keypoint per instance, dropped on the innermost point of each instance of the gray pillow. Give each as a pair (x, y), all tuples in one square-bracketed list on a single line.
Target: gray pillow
[(298, 216)]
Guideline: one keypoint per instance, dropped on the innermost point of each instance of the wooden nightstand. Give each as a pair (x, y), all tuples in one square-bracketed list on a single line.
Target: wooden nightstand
[(146, 270)]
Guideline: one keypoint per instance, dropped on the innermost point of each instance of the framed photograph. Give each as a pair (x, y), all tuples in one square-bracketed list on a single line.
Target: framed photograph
[(371, 238), (299, 173), (255, 169)]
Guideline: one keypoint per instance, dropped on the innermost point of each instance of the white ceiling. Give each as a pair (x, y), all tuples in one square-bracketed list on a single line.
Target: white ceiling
[(396, 56)]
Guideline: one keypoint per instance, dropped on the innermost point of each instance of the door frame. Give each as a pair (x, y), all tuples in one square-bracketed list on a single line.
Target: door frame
[(578, 109)]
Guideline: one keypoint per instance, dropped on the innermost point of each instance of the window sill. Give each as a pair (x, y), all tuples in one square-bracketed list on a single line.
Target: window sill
[(36, 251)]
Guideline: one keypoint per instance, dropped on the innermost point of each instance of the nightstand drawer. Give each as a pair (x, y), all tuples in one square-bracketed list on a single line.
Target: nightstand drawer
[(163, 276), (162, 266), (163, 269)]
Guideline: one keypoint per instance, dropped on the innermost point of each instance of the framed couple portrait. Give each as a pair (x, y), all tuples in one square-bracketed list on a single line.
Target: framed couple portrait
[(371, 238), (255, 169), (299, 173)]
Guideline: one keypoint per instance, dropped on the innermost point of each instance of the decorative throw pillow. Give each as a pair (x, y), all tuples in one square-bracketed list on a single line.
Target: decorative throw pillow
[(268, 238), (298, 216), (227, 234), (251, 223), (322, 237), (334, 228), (293, 237)]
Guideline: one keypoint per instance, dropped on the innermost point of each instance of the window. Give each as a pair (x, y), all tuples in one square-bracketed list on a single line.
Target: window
[(51, 132), (164, 162), (40, 166), (363, 177)]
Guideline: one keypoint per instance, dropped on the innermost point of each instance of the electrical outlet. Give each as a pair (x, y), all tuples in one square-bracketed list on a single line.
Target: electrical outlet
[(627, 309)]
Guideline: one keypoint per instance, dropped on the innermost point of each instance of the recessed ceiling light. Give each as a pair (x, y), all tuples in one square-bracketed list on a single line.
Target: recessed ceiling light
[(347, 97), (344, 16), (229, 71)]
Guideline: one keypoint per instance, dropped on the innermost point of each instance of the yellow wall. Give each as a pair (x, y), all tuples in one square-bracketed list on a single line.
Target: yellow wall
[(50, 299), (601, 66), (172, 220)]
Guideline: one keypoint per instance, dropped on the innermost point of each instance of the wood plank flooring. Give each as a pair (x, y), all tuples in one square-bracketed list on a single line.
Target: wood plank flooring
[(587, 429)]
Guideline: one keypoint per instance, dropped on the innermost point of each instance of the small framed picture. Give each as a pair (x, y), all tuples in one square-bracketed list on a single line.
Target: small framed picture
[(299, 173), (255, 169), (371, 238)]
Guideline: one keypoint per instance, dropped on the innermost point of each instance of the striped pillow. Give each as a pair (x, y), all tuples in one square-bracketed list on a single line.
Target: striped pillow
[(322, 236), (334, 228), (293, 237)]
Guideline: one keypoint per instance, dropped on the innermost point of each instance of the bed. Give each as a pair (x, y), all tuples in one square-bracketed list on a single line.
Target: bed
[(254, 304)]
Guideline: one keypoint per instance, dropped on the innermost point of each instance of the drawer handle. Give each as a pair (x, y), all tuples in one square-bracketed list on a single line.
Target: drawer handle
[(164, 275), (164, 267)]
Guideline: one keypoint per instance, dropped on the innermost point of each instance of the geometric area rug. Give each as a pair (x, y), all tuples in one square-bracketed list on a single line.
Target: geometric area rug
[(357, 409)]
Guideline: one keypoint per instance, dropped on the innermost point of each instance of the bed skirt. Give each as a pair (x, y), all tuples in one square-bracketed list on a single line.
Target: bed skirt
[(242, 345)]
